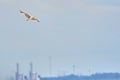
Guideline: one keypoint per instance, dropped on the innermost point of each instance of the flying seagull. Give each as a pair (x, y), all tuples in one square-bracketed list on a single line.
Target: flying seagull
[(29, 17)]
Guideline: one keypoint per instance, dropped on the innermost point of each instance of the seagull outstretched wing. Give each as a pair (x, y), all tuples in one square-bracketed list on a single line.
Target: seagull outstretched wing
[(33, 18), (26, 14)]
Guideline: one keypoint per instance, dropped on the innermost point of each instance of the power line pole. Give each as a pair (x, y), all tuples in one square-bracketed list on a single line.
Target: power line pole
[(50, 66), (73, 69)]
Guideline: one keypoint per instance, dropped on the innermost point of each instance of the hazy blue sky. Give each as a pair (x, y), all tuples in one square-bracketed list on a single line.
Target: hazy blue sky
[(84, 33)]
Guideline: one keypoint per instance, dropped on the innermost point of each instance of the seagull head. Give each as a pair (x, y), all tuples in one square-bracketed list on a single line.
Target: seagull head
[(21, 11)]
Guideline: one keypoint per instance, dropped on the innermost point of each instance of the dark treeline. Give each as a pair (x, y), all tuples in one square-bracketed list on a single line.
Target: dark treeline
[(97, 76)]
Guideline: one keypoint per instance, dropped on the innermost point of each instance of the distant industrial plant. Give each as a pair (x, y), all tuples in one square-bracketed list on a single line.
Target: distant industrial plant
[(31, 76)]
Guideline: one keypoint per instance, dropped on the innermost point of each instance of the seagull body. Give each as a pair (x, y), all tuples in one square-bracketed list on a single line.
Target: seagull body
[(29, 17)]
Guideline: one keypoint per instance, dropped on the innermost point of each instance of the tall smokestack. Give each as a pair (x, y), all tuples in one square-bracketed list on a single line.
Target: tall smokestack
[(17, 72), (31, 67), (31, 71), (17, 65)]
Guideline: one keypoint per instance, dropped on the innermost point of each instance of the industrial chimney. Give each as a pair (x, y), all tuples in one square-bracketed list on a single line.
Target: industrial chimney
[(17, 72), (31, 71)]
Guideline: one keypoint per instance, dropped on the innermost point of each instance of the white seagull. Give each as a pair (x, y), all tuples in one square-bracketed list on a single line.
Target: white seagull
[(29, 17)]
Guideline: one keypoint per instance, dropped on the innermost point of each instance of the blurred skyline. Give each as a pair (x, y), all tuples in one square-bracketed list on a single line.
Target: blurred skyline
[(80, 33)]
